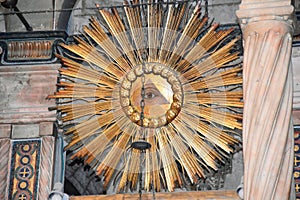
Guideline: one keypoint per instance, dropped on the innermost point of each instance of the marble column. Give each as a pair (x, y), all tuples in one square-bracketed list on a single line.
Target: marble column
[(267, 128)]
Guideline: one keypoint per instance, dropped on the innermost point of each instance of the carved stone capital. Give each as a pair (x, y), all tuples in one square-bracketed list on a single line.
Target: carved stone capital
[(280, 27), (254, 10)]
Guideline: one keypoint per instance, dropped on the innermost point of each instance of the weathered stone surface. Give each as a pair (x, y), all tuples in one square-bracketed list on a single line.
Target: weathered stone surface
[(24, 90), (233, 180), (25, 131), (296, 76), (23, 100), (5, 130), (296, 80), (46, 128), (2, 22), (222, 12)]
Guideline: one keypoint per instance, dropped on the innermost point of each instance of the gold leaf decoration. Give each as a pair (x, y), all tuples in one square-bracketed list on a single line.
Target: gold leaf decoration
[(191, 79)]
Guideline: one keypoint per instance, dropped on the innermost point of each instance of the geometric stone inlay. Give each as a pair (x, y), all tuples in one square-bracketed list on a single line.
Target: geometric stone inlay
[(24, 173), (297, 162)]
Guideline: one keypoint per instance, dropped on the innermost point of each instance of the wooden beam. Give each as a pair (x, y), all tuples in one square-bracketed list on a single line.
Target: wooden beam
[(199, 195)]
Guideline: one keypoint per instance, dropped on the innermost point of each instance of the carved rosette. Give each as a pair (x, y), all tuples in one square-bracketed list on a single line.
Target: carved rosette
[(267, 127)]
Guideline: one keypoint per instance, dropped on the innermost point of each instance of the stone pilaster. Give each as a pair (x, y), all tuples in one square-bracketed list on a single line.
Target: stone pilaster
[(267, 128), (28, 74)]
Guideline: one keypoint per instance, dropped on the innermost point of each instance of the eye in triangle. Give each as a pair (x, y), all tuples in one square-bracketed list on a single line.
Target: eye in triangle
[(158, 96), (157, 93)]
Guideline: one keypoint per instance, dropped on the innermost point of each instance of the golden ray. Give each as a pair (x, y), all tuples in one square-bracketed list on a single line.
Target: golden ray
[(187, 159), (134, 20), (152, 164), (204, 151), (229, 98), (155, 76), (174, 18), (117, 29), (168, 162)]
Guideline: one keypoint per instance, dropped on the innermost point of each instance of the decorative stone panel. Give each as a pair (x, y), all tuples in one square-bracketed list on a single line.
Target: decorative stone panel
[(26, 168)]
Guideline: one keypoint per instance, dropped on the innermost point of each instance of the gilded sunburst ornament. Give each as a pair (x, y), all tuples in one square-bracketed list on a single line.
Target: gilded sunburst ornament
[(163, 74)]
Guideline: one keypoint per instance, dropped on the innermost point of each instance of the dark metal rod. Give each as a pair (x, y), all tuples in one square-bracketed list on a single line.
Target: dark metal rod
[(140, 176), (22, 18), (206, 8), (53, 15)]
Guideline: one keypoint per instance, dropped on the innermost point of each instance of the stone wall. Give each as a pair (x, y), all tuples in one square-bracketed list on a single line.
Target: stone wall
[(2, 23), (222, 11)]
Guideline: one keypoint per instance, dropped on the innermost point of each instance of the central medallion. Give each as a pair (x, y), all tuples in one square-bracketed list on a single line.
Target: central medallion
[(163, 95)]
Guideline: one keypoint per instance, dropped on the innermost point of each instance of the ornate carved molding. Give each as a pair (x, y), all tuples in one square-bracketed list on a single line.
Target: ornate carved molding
[(252, 10), (267, 129), (29, 50), (191, 195), (29, 47)]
